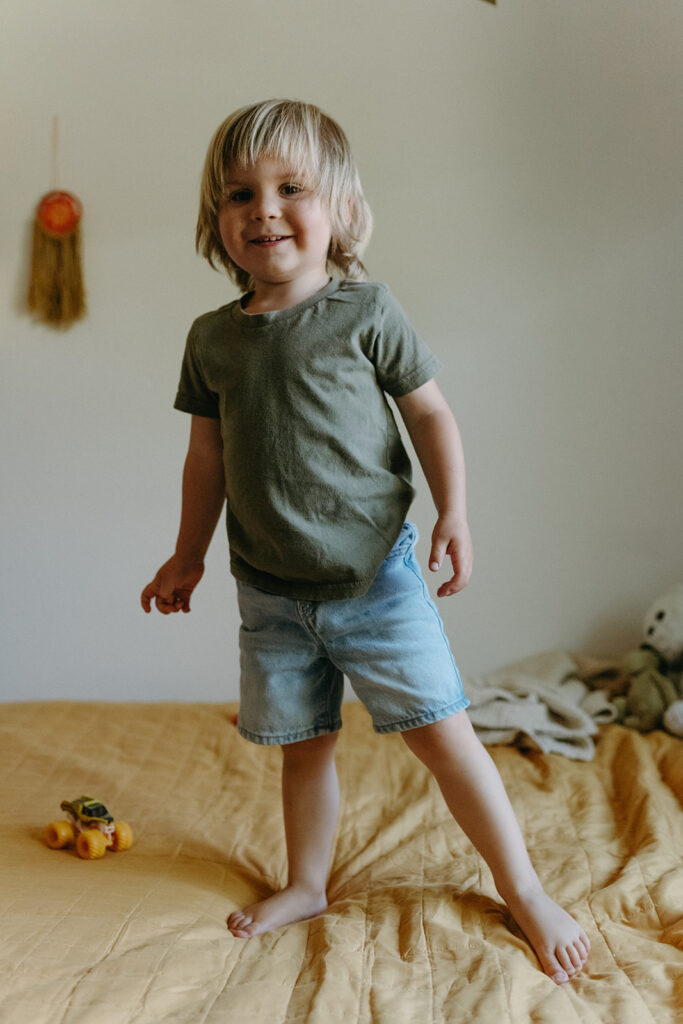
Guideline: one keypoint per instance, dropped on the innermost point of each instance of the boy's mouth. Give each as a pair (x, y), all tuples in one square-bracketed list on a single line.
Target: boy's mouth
[(267, 240)]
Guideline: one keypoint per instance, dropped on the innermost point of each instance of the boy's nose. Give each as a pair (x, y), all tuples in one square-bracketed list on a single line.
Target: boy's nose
[(265, 207)]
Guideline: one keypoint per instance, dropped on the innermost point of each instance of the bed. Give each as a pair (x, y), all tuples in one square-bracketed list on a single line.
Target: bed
[(414, 932)]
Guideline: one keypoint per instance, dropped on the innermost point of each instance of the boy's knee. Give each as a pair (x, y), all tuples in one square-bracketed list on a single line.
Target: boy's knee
[(306, 750), (443, 738)]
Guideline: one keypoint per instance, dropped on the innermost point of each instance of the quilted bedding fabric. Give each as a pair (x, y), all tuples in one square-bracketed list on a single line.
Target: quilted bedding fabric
[(414, 932)]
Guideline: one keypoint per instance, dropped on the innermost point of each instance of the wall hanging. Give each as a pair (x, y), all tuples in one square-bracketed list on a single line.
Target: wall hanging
[(56, 295)]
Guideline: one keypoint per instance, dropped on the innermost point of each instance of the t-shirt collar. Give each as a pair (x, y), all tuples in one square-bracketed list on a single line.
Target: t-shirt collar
[(276, 315)]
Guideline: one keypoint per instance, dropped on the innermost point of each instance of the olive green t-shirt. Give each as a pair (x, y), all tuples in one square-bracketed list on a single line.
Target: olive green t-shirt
[(317, 479)]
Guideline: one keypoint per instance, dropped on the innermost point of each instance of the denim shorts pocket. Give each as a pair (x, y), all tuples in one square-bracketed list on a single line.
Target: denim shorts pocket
[(411, 563), (406, 541)]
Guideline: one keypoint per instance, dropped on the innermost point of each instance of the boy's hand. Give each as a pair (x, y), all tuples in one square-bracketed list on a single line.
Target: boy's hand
[(451, 536), (172, 586)]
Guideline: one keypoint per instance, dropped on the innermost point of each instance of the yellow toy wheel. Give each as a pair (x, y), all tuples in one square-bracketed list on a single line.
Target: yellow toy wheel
[(91, 844), (123, 836), (59, 834)]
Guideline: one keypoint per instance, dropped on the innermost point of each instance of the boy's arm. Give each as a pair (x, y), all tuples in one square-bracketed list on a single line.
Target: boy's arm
[(203, 499), (436, 440)]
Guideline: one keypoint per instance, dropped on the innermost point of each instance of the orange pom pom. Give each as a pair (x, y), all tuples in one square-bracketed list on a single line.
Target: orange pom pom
[(58, 213)]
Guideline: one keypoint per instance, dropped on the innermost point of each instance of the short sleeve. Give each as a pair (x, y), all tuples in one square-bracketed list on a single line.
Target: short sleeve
[(403, 362), (194, 395)]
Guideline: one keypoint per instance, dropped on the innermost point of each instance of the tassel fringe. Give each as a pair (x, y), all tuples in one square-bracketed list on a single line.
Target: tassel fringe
[(56, 295)]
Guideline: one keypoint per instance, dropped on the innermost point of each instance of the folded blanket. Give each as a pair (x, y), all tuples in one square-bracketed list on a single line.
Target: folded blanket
[(540, 703)]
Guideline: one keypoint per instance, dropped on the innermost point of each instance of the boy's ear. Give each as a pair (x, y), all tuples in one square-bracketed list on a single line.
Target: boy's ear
[(350, 210)]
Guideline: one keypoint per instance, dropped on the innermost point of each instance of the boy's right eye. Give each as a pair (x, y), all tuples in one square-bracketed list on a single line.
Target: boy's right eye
[(240, 195)]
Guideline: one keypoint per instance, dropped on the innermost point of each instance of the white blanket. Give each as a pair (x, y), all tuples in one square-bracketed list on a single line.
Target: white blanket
[(540, 703)]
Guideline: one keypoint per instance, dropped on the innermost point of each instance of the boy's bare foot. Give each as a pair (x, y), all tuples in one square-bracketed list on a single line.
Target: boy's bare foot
[(284, 907), (559, 942)]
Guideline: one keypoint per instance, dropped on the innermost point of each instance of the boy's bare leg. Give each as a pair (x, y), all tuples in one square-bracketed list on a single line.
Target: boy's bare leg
[(310, 798), (476, 797)]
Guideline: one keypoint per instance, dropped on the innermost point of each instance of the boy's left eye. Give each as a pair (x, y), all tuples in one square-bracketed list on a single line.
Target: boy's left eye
[(291, 189)]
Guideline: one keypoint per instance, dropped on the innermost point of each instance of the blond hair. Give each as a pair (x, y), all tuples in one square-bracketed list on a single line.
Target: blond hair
[(313, 146)]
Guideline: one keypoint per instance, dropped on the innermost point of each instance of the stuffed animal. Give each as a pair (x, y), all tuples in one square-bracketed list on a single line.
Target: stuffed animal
[(655, 693), (649, 694), (663, 630)]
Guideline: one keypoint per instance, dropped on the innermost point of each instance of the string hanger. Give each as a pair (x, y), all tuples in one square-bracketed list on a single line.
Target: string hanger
[(55, 153)]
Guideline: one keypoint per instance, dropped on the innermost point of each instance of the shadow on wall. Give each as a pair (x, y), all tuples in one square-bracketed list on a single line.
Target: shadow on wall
[(23, 277), (613, 634)]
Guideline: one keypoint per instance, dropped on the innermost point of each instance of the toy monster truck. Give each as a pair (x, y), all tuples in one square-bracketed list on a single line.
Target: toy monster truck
[(91, 827)]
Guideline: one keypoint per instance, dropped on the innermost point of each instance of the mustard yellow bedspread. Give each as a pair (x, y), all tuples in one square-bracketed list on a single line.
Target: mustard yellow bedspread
[(414, 934)]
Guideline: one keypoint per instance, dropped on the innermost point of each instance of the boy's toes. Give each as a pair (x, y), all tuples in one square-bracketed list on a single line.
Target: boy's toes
[(565, 967), (571, 961), (579, 955), (562, 964), (558, 976), (553, 967), (240, 925)]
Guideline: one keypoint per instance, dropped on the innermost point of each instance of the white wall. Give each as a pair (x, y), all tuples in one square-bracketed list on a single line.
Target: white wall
[(524, 166)]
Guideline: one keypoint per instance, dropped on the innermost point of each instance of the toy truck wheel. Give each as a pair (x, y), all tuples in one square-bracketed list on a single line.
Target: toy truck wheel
[(123, 836), (91, 844), (59, 834)]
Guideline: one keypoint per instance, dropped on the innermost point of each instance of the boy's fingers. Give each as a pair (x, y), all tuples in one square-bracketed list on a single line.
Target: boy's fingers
[(177, 601), (438, 553), (168, 603), (460, 577), (462, 570), (165, 600), (455, 584), (146, 597), (455, 545)]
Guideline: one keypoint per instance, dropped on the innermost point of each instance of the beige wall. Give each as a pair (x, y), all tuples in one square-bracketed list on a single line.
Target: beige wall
[(523, 162)]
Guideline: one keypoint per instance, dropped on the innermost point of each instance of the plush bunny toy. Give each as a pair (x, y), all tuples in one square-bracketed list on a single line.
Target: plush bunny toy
[(654, 697), (663, 631), (655, 692)]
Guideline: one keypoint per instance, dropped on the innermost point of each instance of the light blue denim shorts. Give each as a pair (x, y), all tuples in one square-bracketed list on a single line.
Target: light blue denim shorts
[(390, 643)]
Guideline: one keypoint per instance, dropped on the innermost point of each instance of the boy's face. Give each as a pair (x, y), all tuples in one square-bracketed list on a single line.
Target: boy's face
[(273, 226)]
